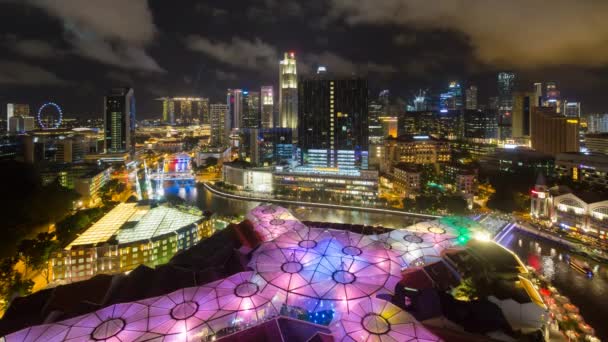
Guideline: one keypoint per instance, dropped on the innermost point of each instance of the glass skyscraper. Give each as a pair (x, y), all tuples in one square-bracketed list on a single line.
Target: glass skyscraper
[(119, 121), (333, 126)]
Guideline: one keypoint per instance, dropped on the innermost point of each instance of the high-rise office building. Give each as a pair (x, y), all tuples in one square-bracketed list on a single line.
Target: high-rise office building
[(479, 125), (119, 121), (376, 132), (471, 98), (538, 91), (552, 133), (572, 109), (597, 123), (523, 104), (506, 85), (185, 110), (267, 107), (385, 101), (218, 112), (288, 92), (333, 121), (452, 99), (553, 97), (234, 100), (21, 124), (251, 110), (16, 110)]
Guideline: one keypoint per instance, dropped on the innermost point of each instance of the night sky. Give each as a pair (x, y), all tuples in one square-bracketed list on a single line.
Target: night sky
[(72, 51)]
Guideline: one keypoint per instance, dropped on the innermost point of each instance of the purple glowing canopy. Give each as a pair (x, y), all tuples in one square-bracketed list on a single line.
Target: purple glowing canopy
[(311, 268), (378, 320), (272, 221), (416, 248), (337, 270)]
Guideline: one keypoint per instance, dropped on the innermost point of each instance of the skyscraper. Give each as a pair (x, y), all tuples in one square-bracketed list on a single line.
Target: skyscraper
[(267, 107), (553, 98), (288, 92), (251, 110), (217, 117), (168, 111), (538, 90), (119, 120), (506, 85), (234, 100), (552, 133), (333, 121), (452, 99), (523, 105), (471, 98), (572, 109)]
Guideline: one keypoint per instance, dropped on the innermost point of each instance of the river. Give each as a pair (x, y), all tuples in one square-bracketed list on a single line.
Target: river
[(549, 258), (205, 200)]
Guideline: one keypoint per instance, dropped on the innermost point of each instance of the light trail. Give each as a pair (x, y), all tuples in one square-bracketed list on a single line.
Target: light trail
[(320, 205)]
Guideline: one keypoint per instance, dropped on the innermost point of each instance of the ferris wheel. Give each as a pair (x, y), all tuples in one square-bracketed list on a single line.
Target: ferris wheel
[(49, 115)]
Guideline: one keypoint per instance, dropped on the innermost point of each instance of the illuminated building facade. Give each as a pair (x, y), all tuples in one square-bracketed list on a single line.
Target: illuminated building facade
[(518, 161), (217, 115), (552, 133), (119, 125), (585, 213), (471, 98), (267, 120), (361, 184), (415, 149), (245, 177), (333, 121), (445, 124), (288, 92), (128, 236)]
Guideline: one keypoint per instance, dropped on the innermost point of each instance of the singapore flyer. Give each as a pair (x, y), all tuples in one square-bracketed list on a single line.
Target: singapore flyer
[(49, 117)]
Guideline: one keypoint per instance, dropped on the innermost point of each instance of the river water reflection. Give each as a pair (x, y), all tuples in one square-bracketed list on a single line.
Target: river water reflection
[(550, 259)]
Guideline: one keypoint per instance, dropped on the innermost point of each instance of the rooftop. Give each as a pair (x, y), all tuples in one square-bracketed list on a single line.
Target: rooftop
[(131, 222)]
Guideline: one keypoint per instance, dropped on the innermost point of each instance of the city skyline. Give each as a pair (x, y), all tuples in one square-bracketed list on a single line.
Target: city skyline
[(70, 56)]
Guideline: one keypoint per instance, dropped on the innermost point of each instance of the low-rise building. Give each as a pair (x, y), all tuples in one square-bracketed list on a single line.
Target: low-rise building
[(518, 160), (582, 212), (590, 169), (597, 143), (407, 178), (245, 177), (129, 235), (361, 184), (415, 149)]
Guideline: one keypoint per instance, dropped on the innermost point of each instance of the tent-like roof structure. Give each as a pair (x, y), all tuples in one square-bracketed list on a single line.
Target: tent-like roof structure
[(315, 274), (379, 320), (336, 268)]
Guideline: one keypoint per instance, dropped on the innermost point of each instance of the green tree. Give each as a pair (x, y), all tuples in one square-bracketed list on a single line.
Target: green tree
[(12, 283), (36, 253)]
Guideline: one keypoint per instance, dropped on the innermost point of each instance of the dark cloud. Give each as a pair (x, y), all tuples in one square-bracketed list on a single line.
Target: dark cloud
[(22, 74), (113, 32), (519, 33), (248, 54), (34, 48), (225, 75)]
